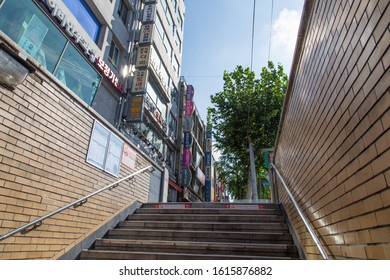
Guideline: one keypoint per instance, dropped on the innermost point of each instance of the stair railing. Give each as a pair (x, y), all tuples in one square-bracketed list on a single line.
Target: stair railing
[(38, 222), (305, 221)]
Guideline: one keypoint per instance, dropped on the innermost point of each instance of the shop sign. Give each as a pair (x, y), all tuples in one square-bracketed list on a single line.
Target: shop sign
[(70, 28), (190, 92), (149, 13), (200, 175), (186, 177), (208, 158), (143, 56), (136, 111), (108, 73), (188, 140), (139, 83), (129, 156), (189, 108), (187, 157), (188, 123), (146, 34)]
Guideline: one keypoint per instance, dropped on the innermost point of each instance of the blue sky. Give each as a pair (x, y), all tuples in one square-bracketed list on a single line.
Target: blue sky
[(217, 37)]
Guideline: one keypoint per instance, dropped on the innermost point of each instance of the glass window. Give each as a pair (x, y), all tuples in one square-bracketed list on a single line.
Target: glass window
[(122, 11), (26, 25), (76, 73), (105, 149), (113, 54), (85, 17)]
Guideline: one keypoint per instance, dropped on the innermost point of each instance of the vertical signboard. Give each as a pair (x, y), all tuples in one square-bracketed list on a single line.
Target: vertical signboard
[(139, 83), (208, 154), (149, 13), (143, 57), (136, 112), (146, 34)]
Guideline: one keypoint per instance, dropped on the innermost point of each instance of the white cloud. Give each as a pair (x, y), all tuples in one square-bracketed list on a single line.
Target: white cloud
[(284, 35)]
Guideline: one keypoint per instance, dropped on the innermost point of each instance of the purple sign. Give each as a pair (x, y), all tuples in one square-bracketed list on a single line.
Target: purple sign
[(189, 107), (187, 157), (190, 92)]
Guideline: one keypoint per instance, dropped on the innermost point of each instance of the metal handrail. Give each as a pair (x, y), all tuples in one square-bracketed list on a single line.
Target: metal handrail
[(305, 221), (35, 224)]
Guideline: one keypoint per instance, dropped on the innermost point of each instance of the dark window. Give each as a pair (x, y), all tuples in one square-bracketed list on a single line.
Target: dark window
[(113, 54), (85, 17), (122, 11)]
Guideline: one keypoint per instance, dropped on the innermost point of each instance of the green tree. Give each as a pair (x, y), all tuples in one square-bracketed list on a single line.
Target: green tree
[(247, 108)]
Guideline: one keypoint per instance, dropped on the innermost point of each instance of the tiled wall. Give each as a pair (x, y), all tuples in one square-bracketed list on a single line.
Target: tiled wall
[(333, 146), (44, 137)]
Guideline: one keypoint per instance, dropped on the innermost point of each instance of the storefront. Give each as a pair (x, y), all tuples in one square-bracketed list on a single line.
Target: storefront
[(63, 42)]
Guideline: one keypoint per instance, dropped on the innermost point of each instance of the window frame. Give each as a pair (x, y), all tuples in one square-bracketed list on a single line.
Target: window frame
[(120, 10), (114, 59)]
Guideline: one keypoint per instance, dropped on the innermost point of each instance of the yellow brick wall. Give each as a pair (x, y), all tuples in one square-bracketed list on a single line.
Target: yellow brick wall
[(44, 137), (333, 146)]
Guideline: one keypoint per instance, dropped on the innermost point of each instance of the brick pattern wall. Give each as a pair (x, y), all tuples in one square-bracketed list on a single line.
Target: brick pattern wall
[(44, 137), (333, 147)]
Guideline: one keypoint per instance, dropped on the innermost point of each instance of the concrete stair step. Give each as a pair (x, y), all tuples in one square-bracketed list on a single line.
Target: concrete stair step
[(269, 250), (206, 218), (205, 205), (119, 255), (207, 211), (280, 227), (210, 236)]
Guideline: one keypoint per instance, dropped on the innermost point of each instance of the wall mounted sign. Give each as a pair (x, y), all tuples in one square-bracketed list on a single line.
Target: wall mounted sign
[(108, 73), (190, 107), (190, 92), (188, 123), (188, 139), (208, 164), (187, 157), (143, 57), (129, 156), (149, 13), (146, 34), (186, 177), (136, 111), (139, 83)]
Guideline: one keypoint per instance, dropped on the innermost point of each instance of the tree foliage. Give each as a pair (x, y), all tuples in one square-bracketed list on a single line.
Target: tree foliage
[(247, 108)]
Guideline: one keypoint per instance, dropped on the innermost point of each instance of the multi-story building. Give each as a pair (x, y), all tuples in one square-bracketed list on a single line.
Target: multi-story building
[(66, 81)]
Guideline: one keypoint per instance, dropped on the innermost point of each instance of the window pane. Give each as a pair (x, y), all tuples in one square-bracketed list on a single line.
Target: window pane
[(84, 16), (114, 155), (78, 75), (98, 144), (25, 24)]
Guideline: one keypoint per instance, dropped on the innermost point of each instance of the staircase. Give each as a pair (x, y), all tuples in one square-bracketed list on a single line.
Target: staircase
[(179, 231)]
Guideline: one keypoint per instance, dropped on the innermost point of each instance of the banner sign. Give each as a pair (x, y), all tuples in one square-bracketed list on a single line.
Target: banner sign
[(149, 13), (188, 123), (136, 112), (208, 163), (143, 57), (186, 177), (190, 92), (146, 34), (187, 157), (189, 108), (188, 139), (139, 83)]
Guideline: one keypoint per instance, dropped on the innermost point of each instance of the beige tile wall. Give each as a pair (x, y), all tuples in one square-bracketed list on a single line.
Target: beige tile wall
[(44, 137), (333, 147)]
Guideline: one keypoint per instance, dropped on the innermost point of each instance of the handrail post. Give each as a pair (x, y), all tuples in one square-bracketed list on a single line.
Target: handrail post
[(305, 221)]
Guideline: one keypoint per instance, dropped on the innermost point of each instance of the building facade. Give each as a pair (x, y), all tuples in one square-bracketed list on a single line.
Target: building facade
[(64, 131)]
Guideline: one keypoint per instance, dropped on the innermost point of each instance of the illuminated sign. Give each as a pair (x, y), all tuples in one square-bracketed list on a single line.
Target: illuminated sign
[(108, 73), (146, 34), (139, 83), (143, 57), (136, 105)]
